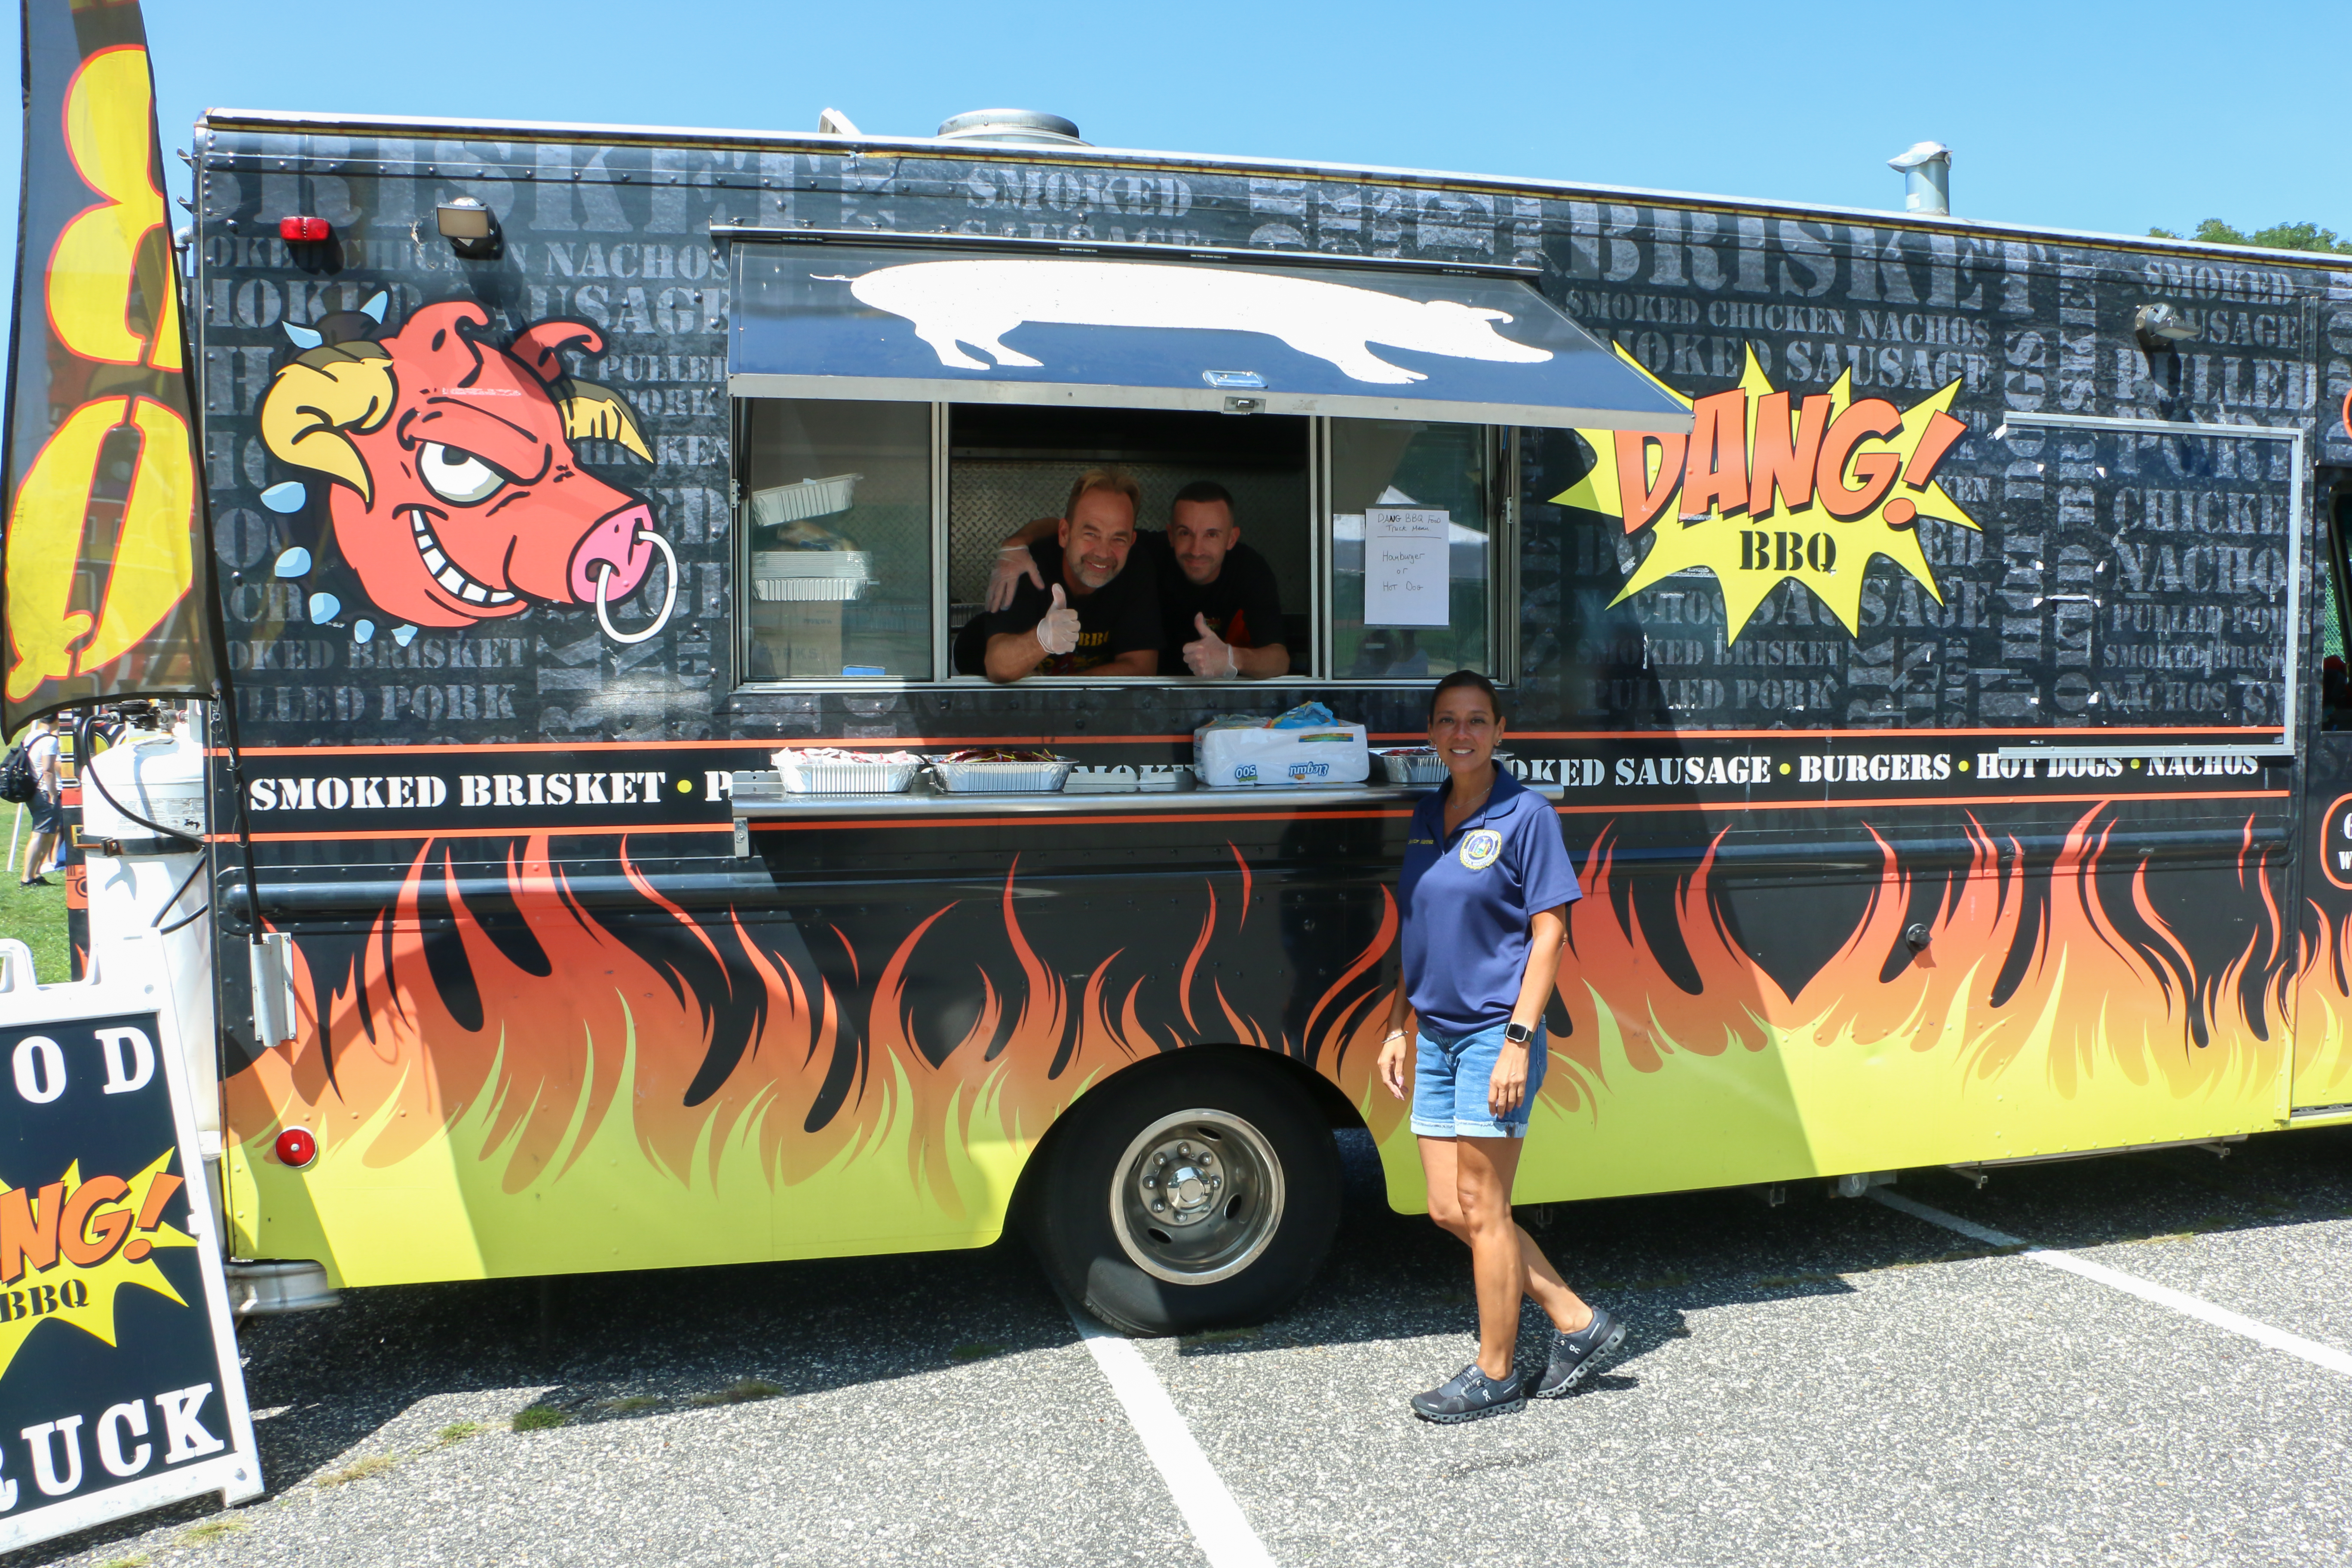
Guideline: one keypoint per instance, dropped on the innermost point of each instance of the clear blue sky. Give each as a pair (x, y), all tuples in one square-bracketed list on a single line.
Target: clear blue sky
[(2111, 116)]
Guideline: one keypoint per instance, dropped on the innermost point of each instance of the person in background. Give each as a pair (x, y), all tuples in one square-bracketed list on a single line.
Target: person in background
[(1484, 904), (1220, 607), (1081, 612), (47, 806)]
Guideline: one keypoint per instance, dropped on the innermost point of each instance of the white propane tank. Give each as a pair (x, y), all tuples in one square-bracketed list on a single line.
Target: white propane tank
[(133, 873)]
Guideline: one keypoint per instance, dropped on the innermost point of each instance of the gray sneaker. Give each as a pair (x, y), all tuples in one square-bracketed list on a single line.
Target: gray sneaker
[(1471, 1395), (1573, 1355)]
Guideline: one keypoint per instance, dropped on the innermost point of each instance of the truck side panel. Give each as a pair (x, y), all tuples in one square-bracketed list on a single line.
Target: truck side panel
[(552, 1022)]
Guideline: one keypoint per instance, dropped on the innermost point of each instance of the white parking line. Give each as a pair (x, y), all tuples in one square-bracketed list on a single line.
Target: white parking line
[(1216, 1519), (2196, 1307)]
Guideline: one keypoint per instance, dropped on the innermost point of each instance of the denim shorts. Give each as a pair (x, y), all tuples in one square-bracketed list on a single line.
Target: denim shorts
[(48, 813), (1450, 1075)]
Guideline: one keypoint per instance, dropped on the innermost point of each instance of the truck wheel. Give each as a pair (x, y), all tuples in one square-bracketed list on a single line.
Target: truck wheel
[(1196, 1192)]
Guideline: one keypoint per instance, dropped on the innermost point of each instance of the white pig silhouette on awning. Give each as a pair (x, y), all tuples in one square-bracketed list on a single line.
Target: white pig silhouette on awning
[(977, 302), (934, 323)]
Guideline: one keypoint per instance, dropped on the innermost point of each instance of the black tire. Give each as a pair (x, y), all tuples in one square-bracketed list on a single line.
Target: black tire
[(1250, 1248)]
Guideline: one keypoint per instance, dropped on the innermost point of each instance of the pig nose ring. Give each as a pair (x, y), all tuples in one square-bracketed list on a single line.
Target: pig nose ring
[(670, 591)]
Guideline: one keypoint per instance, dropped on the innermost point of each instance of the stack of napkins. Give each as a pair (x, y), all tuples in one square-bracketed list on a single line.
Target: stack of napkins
[(1304, 746)]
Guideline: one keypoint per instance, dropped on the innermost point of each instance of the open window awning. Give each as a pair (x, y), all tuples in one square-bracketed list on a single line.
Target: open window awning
[(968, 325)]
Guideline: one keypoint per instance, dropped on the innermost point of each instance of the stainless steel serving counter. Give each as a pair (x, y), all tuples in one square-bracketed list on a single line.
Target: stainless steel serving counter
[(761, 796)]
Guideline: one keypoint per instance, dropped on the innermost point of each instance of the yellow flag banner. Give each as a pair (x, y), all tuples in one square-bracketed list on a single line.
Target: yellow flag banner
[(107, 563)]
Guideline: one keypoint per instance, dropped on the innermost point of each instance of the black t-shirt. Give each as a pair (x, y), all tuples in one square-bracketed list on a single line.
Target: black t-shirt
[(1243, 604), (1120, 617)]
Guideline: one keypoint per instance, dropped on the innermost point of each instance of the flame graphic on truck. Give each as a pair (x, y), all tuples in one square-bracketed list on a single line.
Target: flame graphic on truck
[(518, 1033), (548, 1021), (2019, 967)]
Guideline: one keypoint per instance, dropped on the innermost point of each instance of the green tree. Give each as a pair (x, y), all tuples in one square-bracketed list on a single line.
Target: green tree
[(2278, 236)]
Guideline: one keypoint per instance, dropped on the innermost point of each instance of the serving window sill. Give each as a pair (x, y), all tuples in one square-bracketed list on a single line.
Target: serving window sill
[(870, 683), (760, 796)]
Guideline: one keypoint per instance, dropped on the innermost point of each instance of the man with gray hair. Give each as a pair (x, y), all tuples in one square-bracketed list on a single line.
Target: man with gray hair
[(1080, 612), (1220, 607)]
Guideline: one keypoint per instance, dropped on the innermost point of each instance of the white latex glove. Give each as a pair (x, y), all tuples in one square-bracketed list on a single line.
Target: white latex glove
[(1059, 632), (1012, 563), (1212, 656)]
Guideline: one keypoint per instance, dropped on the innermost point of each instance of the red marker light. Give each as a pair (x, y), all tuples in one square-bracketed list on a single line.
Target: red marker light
[(302, 228), (296, 1148)]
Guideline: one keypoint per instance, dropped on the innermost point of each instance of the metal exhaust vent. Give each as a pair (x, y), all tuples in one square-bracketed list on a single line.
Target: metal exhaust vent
[(1010, 125), (1927, 170)]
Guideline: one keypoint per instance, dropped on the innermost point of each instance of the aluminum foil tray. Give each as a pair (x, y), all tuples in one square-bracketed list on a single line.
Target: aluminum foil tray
[(846, 778), (1001, 778), (807, 590), (810, 497), (1150, 778), (1424, 768), (1429, 768)]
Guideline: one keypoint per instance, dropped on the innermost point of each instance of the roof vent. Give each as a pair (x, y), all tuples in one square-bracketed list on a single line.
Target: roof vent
[(1010, 125), (1927, 178)]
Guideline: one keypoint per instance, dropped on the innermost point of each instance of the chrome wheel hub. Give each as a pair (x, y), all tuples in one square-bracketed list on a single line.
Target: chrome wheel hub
[(1196, 1197)]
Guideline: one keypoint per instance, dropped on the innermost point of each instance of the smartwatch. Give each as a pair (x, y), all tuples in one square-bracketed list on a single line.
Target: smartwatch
[(1517, 1034)]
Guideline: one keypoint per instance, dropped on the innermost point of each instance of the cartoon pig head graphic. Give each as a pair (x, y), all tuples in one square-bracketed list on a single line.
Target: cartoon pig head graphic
[(456, 496)]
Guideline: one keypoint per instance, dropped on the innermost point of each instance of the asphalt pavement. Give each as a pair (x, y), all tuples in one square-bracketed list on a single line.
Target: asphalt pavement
[(1829, 1381)]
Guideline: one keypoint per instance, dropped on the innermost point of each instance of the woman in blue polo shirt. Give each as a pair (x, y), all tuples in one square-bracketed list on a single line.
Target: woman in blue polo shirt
[(1484, 898)]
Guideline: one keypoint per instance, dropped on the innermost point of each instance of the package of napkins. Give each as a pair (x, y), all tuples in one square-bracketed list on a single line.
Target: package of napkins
[(1304, 746)]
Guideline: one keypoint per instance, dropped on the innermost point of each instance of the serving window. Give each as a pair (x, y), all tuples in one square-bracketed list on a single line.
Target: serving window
[(1355, 414), (837, 523), (868, 531), (1415, 526)]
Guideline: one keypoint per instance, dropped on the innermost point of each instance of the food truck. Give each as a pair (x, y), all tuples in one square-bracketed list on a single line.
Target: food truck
[(1923, 625)]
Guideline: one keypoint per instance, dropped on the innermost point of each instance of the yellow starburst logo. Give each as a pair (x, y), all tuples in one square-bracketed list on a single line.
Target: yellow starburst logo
[(1760, 491), (66, 1247)]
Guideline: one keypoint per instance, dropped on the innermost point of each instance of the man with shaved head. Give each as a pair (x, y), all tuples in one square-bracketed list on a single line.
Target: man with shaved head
[(1080, 611)]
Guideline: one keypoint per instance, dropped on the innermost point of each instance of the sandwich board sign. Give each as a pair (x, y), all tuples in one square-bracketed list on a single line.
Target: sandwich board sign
[(119, 1387)]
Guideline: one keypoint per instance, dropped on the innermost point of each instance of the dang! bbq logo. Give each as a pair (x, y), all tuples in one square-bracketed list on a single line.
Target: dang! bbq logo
[(68, 1246), (1768, 487)]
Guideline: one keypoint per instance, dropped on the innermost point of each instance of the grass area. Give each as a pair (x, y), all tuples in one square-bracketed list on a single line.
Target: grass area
[(359, 1470), (538, 1418), (630, 1404), (34, 916), (458, 1431), (211, 1530), (136, 1560), (741, 1393)]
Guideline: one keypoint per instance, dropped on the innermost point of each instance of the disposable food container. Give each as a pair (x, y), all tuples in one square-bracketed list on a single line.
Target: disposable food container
[(1412, 767), (1150, 778), (1420, 766), (809, 498), (802, 775), (1001, 778), (799, 576)]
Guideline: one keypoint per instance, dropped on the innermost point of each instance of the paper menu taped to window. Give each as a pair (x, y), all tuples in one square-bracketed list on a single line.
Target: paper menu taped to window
[(1406, 567)]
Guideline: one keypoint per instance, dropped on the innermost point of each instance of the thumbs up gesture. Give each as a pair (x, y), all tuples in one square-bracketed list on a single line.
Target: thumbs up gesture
[(1211, 656), (1059, 632)]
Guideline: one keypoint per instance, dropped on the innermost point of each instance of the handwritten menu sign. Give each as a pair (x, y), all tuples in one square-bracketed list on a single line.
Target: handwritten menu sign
[(1404, 566)]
